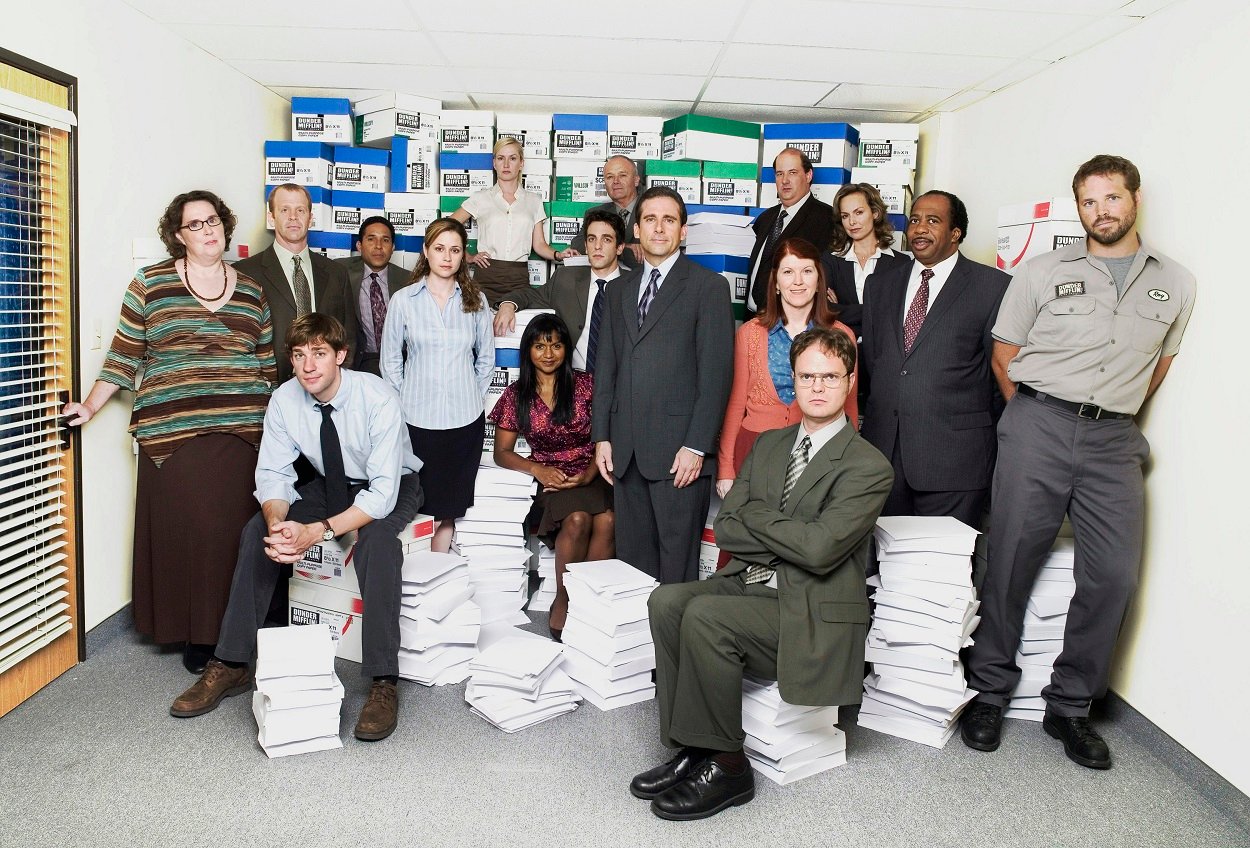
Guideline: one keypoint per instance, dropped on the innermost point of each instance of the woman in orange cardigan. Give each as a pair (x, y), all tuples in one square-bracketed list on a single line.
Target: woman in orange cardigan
[(762, 397)]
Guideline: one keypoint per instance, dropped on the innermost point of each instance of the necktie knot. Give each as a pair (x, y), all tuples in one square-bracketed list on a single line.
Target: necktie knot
[(926, 275), (648, 296)]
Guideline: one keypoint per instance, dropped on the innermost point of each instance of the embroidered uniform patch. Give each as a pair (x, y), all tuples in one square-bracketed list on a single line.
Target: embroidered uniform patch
[(1159, 294), (1069, 289)]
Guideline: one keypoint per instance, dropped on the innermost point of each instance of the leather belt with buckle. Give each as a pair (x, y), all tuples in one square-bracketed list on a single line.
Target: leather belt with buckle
[(1088, 411)]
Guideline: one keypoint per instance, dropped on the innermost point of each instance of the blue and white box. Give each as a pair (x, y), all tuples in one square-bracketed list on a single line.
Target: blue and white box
[(414, 166), (532, 130), (466, 131), (320, 197), (410, 214), (825, 184), (360, 169), (580, 136), (828, 145), (324, 119), (462, 174), (735, 269), (304, 163), (348, 210), (331, 245)]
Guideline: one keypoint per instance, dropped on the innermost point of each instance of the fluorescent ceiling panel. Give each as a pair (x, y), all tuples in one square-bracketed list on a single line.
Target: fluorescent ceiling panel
[(706, 20), (306, 44)]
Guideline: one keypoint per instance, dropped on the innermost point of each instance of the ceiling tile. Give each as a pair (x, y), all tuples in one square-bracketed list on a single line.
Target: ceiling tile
[(770, 92), (705, 20), (411, 78), (837, 65), (1078, 7), (1019, 70), (895, 97), (306, 44), (568, 55), (1086, 37), (305, 13), (450, 99), (583, 84), (581, 105)]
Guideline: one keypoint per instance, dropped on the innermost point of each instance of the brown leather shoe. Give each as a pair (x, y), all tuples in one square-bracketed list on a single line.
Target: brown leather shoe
[(380, 713), (218, 681)]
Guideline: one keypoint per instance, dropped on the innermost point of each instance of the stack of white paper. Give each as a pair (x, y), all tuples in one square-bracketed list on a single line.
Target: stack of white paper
[(607, 638), (298, 695), (1042, 638), (720, 233), (785, 742), (925, 614), (545, 595), (491, 536), (438, 619), (516, 682)]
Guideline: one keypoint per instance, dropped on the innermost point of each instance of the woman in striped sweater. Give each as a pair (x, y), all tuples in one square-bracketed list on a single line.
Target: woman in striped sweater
[(195, 344)]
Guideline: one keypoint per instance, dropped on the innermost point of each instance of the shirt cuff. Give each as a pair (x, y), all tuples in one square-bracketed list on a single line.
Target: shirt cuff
[(692, 450)]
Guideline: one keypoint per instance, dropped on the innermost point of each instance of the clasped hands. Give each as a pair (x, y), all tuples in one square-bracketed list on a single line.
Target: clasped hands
[(288, 540)]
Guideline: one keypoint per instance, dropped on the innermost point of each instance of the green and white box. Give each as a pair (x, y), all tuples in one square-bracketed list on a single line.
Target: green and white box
[(579, 181), (635, 136), (536, 176), (466, 131), (410, 214), (889, 144), (380, 119), (532, 130), (447, 205), (566, 221), (730, 183), (682, 177), (699, 137)]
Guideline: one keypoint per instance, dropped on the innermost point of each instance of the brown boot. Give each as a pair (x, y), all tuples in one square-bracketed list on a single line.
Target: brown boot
[(380, 713), (218, 681)]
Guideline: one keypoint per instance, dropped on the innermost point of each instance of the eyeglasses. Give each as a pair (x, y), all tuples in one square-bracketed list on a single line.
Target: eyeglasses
[(830, 380), (196, 226)]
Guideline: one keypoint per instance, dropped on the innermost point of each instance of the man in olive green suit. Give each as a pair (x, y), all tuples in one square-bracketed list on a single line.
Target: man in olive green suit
[(790, 606)]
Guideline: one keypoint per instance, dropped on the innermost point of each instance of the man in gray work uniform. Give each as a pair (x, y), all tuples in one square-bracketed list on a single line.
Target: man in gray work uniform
[(1087, 333)]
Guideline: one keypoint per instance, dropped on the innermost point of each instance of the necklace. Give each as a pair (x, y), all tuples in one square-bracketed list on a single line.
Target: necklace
[(225, 282)]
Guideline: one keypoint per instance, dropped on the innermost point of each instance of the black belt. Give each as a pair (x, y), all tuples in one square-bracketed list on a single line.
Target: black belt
[(1080, 410)]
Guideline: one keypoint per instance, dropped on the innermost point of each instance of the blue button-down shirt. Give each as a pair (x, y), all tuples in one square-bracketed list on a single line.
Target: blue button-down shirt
[(779, 344)]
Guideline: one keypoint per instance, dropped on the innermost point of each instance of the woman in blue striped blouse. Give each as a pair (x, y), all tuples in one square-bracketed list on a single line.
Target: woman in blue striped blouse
[(438, 352)]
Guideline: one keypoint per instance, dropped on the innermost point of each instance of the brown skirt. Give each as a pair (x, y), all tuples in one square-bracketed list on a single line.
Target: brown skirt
[(551, 508), (500, 279), (189, 514)]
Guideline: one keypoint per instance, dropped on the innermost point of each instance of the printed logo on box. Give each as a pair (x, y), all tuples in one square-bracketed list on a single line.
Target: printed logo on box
[(876, 150), (740, 287), (408, 121), (501, 379), (282, 168), (313, 123), (347, 216), (717, 188), (347, 174), (623, 141), (667, 183), (813, 149), (1064, 241), (564, 230), (670, 144), (302, 615), (417, 177), (456, 136), (569, 141), (313, 554), (452, 180), (518, 137), (402, 220)]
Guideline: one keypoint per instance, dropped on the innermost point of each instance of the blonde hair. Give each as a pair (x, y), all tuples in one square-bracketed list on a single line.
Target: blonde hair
[(507, 141)]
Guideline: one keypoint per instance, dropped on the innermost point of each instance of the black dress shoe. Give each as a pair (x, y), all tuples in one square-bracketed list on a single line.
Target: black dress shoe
[(1080, 741), (654, 781), (705, 793), (556, 634), (195, 657), (982, 726)]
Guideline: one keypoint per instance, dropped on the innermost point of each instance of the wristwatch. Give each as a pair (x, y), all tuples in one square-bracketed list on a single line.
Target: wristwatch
[(328, 535)]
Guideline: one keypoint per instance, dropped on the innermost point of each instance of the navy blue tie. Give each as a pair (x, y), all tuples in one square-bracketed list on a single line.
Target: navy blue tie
[(653, 288), (596, 315)]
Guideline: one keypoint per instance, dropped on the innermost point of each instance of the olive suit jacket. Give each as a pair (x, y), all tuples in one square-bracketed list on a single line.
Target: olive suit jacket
[(819, 544)]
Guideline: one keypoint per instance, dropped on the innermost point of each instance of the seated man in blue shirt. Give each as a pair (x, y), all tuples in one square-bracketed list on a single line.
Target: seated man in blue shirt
[(348, 425)]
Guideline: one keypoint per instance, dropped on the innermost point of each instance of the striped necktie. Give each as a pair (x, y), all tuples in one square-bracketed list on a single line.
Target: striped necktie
[(653, 288), (303, 294), (596, 317), (794, 470), (917, 311)]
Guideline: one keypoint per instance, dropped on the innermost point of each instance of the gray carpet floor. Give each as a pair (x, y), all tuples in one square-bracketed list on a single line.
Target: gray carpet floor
[(95, 759)]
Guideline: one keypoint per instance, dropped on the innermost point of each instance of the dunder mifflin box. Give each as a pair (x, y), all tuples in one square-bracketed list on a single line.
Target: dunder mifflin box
[(304, 163), (579, 181), (536, 176), (683, 177), (360, 169), (699, 137), (330, 563), (827, 145), (387, 116), (466, 131), (533, 131), (566, 221), (462, 174), (320, 198), (324, 119), (1026, 230), (311, 603), (825, 184), (410, 214), (635, 136), (892, 181), (580, 136), (349, 208), (889, 144), (414, 166), (735, 269), (730, 183)]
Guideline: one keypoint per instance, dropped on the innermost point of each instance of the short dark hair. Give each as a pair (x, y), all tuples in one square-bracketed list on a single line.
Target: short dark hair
[(609, 217), (803, 159), (657, 192), (369, 222), (171, 219), (315, 327), (959, 212), (1105, 165), (830, 341)]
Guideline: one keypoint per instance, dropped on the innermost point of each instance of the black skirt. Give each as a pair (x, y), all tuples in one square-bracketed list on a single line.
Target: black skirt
[(551, 508), (450, 459)]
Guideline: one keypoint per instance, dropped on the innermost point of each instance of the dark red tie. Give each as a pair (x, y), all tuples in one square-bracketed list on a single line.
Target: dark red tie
[(377, 305), (917, 311)]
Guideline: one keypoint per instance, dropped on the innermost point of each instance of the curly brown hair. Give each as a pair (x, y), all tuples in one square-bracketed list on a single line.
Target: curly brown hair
[(881, 226), (171, 220), (470, 291)]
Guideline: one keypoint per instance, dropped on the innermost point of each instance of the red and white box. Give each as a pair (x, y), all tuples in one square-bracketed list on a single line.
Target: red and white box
[(330, 563), (313, 603), (1026, 230)]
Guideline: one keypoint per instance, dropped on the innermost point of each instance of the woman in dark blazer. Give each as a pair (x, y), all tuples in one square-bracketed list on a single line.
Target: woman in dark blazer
[(862, 236)]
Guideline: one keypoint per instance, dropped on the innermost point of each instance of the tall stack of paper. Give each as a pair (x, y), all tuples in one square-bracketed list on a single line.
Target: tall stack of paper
[(925, 614), (517, 682), (785, 742), (491, 536), (438, 620), (1041, 641), (722, 233), (298, 695), (545, 595), (607, 639)]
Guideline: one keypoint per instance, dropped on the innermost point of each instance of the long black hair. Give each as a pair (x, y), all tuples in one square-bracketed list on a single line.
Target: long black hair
[(545, 326)]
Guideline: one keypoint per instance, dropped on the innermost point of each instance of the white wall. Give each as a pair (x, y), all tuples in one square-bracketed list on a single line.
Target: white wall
[(1166, 95), (157, 116)]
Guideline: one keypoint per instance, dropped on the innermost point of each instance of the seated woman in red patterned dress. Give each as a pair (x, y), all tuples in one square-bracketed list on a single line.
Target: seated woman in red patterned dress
[(550, 406)]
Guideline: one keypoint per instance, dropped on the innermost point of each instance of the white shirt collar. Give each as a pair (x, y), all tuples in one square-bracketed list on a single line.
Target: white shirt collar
[(821, 437)]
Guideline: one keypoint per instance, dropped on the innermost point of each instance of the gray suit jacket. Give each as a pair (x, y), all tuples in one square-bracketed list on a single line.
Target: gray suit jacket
[(396, 279), (940, 400), (821, 539), (331, 293), (664, 385), (579, 241), (567, 292)]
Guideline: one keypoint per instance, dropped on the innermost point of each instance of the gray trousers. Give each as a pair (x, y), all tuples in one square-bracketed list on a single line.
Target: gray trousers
[(1051, 462), (706, 634), (378, 560), (658, 527)]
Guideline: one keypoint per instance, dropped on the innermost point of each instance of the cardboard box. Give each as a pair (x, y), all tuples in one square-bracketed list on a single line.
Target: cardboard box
[(533, 131), (540, 271), (566, 221), (320, 197), (635, 136), (579, 181), (463, 174), (466, 131), (699, 137), (536, 177), (709, 554), (304, 163), (889, 144), (414, 166), (894, 183), (385, 117), (730, 184), (324, 119), (330, 563), (683, 177), (1026, 230), (828, 145), (310, 603), (735, 269), (331, 245), (410, 214), (825, 184), (580, 136), (360, 169), (349, 208), (449, 204)]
